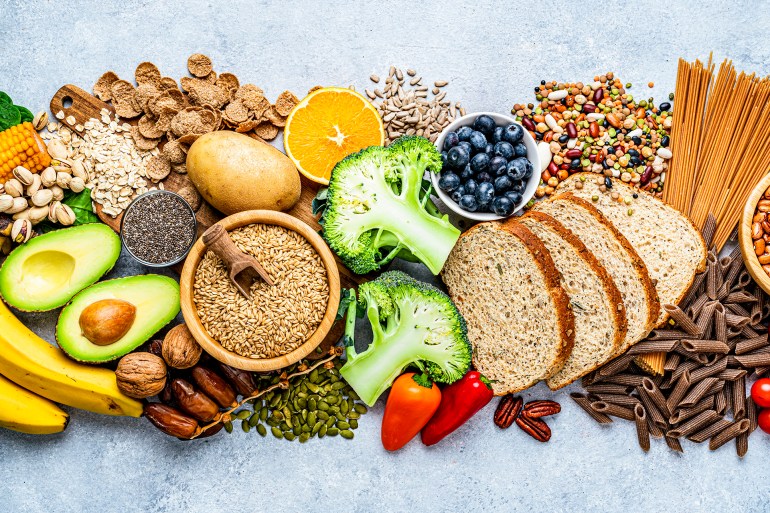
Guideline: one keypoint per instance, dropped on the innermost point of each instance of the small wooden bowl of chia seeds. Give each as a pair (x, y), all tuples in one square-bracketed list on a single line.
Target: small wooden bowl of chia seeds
[(158, 228)]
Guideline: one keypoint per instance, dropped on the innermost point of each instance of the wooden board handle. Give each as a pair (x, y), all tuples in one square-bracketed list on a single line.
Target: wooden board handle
[(78, 105)]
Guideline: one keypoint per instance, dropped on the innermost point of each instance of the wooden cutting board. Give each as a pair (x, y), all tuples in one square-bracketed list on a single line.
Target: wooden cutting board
[(79, 106)]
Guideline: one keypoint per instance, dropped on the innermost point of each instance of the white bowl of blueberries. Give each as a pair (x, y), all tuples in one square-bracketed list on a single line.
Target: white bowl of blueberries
[(489, 166)]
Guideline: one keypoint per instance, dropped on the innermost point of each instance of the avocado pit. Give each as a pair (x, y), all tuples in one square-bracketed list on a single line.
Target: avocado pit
[(106, 321)]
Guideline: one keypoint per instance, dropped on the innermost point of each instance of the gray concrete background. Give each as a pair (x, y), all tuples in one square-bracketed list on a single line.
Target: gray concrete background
[(493, 53)]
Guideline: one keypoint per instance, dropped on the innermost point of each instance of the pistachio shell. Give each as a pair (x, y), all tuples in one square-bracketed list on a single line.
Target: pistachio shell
[(23, 175), (48, 176)]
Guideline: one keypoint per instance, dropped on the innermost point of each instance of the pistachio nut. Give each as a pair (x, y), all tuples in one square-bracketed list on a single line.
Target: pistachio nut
[(48, 176), (65, 215), (77, 184), (57, 150), (63, 179), (14, 188), (58, 192), (24, 214), (6, 202), (23, 175), (19, 205), (37, 214), (21, 231), (62, 167), (42, 197), (79, 171), (40, 120), (35, 186), (53, 210)]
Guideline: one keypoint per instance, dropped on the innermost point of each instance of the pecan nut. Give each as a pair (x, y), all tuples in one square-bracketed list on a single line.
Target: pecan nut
[(537, 409), (508, 411), (535, 428)]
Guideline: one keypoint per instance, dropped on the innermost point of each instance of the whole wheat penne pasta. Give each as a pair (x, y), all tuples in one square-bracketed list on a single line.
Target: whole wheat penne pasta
[(742, 444), (765, 311), (724, 264), (709, 431), (731, 361), (737, 309), (609, 388), (698, 392), (655, 430), (748, 361), (734, 429), (642, 429), (761, 371), (693, 293), (729, 395), (679, 391), (720, 402), (751, 414), (633, 380), (705, 317), (697, 357), (741, 296), (584, 403), (674, 444), (627, 401), (712, 358), (682, 414), (756, 311), (697, 305), (713, 276), (711, 370), (616, 366), (732, 374), (744, 278), (656, 396), (588, 379), (682, 320), (697, 423), (739, 398), (750, 331), (613, 410), (723, 291), (667, 383), (736, 321), (734, 332), (709, 229), (705, 346), (672, 362), (716, 387), (751, 344), (733, 271), (720, 324), (674, 334), (653, 412), (687, 365), (653, 346)]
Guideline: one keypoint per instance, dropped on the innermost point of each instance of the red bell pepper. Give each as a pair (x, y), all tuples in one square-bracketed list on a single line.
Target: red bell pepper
[(412, 402), (459, 402)]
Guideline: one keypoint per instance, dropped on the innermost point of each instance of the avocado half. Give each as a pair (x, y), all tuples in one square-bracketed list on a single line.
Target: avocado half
[(155, 297), (45, 272)]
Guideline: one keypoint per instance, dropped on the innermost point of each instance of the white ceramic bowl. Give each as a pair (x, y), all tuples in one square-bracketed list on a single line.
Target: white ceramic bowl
[(532, 155)]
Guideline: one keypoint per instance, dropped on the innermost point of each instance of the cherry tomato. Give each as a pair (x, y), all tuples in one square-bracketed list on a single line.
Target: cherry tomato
[(760, 392), (763, 419)]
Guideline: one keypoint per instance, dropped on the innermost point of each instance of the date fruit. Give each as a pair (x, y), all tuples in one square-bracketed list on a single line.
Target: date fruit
[(242, 380), (195, 403), (171, 421), (214, 386)]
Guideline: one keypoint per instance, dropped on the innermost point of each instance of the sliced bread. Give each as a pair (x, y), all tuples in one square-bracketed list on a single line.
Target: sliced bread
[(600, 319), (505, 284), (616, 255), (669, 243)]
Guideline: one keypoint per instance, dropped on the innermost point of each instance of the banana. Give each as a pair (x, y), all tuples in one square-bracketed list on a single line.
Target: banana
[(23, 411), (36, 365)]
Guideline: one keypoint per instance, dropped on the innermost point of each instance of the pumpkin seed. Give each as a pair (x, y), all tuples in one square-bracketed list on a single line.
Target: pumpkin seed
[(302, 403), (313, 377), (313, 387), (322, 405), (245, 426), (332, 399), (263, 414), (322, 415), (360, 408), (311, 418), (243, 415), (353, 424), (332, 431), (343, 425), (346, 433), (285, 425), (306, 429), (337, 384), (277, 415), (286, 412), (322, 431), (303, 414), (330, 422), (353, 395), (275, 400), (344, 407), (340, 417), (304, 437), (316, 428), (229, 427), (312, 404), (271, 422), (354, 415), (254, 420), (288, 435), (276, 432), (334, 409), (261, 430), (297, 429)]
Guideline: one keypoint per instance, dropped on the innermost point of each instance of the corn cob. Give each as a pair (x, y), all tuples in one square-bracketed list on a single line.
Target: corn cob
[(21, 146)]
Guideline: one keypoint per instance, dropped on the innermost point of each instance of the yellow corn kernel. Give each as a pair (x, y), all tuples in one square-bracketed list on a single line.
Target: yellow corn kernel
[(20, 145)]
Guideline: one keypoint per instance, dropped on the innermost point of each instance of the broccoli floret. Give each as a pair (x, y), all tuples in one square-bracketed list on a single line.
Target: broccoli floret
[(413, 323), (378, 207)]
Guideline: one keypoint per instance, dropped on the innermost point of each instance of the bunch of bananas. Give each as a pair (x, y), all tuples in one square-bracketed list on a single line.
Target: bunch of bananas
[(34, 375)]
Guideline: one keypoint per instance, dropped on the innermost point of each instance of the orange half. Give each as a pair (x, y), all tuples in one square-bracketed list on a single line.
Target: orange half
[(328, 125)]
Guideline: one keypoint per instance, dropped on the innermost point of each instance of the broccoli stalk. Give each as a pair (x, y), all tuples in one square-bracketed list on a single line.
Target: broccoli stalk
[(412, 324), (378, 208)]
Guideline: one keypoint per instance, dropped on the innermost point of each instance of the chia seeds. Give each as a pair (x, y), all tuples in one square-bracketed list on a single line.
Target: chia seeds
[(158, 228)]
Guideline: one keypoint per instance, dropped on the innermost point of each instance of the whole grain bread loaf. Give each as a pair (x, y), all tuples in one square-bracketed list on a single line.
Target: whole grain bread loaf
[(616, 255), (504, 282), (600, 319), (671, 246)]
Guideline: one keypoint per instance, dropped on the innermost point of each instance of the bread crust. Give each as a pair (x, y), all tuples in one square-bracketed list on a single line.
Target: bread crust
[(653, 302), (610, 288)]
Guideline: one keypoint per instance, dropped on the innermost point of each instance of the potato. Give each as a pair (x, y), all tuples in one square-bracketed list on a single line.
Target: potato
[(234, 173)]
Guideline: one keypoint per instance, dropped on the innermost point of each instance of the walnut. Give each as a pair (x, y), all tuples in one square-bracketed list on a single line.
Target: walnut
[(141, 375), (180, 350)]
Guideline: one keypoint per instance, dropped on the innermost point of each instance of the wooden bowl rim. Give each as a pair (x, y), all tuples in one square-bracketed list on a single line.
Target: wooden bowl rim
[(744, 235), (213, 347)]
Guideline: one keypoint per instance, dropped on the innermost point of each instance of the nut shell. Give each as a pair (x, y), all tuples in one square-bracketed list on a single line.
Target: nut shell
[(141, 375), (180, 350)]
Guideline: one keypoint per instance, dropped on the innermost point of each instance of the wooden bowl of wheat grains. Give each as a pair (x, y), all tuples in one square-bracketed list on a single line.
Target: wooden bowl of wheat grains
[(214, 348)]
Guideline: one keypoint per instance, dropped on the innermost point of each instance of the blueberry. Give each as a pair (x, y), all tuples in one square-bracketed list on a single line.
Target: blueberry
[(520, 150), (513, 133), (464, 133), (502, 206), (502, 183), (484, 177), (466, 146), (468, 202), (517, 168), (458, 157), (480, 162), (466, 173), (497, 135), (478, 141), (490, 150), (518, 186), (451, 140), (458, 193), (484, 193), (449, 182), (470, 186), (514, 196), (505, 150), (443, 158), (497, 165), (484, 124)]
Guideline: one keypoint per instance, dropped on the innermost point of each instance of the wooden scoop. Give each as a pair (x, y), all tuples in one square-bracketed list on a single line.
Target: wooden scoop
[(244, 269)]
